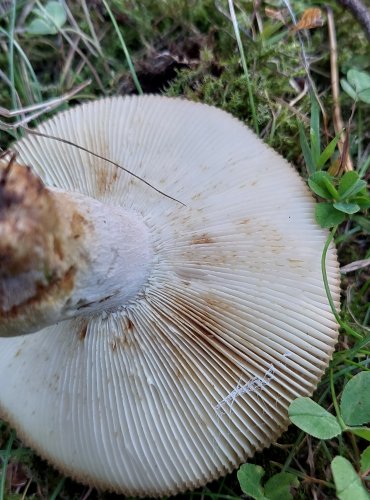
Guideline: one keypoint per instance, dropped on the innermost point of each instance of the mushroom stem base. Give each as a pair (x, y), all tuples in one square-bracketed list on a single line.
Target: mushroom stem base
[(64, 255)]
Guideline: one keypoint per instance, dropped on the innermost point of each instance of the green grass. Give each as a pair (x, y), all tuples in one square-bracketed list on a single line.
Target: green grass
[(251, 67)]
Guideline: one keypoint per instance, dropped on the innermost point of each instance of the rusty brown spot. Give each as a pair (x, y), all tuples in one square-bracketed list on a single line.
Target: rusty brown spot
[(216, 303), (203, 239), (66, 283), (58, 250), (244, 221), (78, 224), (101, 179), (124, 342), (200, 325), (105, 178), (130, 325), (83, 331)]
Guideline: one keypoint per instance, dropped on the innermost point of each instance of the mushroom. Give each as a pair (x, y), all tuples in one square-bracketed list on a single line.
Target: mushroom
[(153, 342)]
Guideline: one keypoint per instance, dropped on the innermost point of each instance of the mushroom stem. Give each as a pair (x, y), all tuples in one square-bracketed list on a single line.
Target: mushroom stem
[(63, 254)]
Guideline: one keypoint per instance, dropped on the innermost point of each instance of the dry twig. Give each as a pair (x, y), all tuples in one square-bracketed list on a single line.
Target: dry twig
[(360, 12), (346, 162)]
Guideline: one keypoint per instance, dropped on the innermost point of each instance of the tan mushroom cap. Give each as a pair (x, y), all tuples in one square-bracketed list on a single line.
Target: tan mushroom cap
[(184, 383)]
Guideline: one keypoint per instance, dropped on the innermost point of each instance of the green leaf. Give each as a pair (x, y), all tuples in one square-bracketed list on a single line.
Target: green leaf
[(49, 20), (313, 419), (328, 151), (350, 184), (249, 477), (278, 486), (327, 215), (39, 27), (362, 432), (360, 81), (348, 484), (355, 402), (318, 185), (365, 460), (363, 200), (348, 89), (347, 208), (310, 164)]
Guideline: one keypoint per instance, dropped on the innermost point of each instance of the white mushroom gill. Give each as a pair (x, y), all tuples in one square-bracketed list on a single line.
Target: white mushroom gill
[(191, 370)]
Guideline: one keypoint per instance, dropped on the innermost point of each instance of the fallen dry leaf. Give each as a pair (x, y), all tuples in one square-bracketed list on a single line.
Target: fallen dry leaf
[(311, 18)]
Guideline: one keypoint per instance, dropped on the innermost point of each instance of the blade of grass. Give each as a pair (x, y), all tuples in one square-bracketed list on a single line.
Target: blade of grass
[(11, 54), (124, 48), (244, 64), (364, 167), (315, 130), (5, 464), (31, 71), (306, 150), (91, 26), (65, 35)]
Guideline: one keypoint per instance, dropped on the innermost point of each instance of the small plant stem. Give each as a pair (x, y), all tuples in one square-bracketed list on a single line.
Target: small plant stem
[(355, 449), (124, 48), (335, 401), (326, 450), (302, 436), (5, 464), (358, 365), (347, 328), (58, 489), (304, 476), (244, 64)]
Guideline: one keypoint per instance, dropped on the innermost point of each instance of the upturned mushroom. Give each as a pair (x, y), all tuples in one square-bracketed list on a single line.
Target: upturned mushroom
[(152, 343)]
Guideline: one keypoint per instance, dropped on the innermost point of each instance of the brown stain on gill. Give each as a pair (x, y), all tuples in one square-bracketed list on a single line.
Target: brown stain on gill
[(105, 178), (78, 225), (83, 331), (198, 324), (203, 239)]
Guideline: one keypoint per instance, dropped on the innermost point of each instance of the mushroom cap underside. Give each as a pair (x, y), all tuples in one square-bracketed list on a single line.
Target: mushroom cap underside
[(187, 381)]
